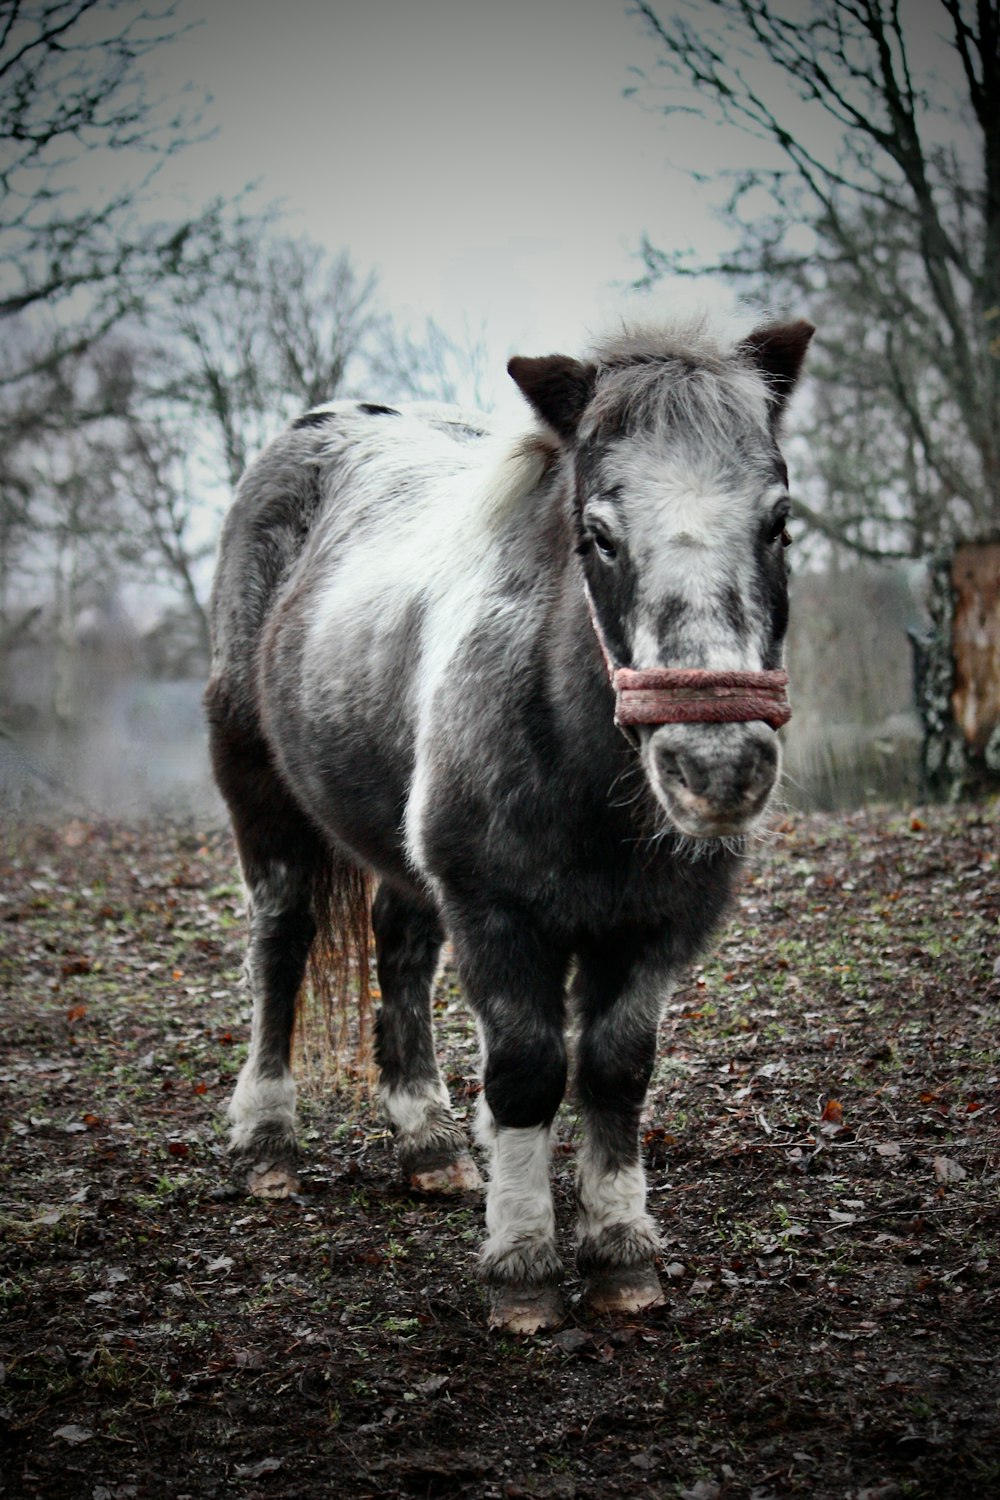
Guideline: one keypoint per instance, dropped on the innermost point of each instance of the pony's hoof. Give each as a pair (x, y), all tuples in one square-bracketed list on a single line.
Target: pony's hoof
[(272, 1180), (461, 1175), (525, 1309), (631, 1289)]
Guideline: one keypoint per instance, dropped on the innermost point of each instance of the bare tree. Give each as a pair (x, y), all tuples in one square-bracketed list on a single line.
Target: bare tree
[(72, 86), (433, 366), (259, 329), (896, 172)]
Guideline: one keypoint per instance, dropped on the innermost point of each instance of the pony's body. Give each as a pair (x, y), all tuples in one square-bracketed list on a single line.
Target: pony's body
[(408, 678)]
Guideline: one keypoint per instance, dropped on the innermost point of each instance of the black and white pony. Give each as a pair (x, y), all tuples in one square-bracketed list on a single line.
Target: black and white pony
[(414, 624)]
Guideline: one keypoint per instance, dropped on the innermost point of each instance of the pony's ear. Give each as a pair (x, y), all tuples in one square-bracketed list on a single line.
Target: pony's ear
[(557, 386), (778, 349)]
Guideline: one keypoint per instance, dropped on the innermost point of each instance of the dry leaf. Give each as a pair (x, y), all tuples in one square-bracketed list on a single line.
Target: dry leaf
[(73, 1434), (257, 1470)]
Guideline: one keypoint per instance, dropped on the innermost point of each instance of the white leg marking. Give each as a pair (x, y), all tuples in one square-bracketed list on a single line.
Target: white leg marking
[(612, 1210), (520, 1218), (430, 1143), (411, 1111), (261, 1105)]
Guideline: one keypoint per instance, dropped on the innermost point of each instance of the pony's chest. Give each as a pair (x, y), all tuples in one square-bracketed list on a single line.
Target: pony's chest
[(543, 845)]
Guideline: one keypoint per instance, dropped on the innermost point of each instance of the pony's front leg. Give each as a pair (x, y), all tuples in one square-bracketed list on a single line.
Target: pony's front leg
[(619, 1006), (514, 981)]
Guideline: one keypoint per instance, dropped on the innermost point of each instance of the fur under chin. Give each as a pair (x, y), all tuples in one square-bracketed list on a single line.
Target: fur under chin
[(691, 849), (692, 844)]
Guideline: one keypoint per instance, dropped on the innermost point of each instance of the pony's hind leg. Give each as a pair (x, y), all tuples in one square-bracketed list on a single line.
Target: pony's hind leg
[(619, 1010), (262, 1109), (430, 1143), (279, 856)]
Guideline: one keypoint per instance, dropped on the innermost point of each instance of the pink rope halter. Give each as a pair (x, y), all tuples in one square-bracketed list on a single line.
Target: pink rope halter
[(691, 695), (667, 695)]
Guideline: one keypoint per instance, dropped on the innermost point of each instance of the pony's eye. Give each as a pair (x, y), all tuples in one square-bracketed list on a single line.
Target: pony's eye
[(604, 544), (777, 529)]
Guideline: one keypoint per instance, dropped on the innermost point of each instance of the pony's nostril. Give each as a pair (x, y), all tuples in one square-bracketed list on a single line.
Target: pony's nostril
[(669, 763), (681, 770)]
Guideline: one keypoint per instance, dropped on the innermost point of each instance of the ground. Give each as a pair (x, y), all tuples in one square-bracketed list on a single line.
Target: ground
[(822, 1144)]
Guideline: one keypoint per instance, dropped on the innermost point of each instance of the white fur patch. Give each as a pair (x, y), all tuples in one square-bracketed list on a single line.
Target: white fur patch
[(412, 523), (409, 1110), (519, 1205), (691, 535), (608, 1200), (261, 1104)]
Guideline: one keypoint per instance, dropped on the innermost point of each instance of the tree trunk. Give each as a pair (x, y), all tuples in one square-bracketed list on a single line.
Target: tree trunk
[(957, 674)]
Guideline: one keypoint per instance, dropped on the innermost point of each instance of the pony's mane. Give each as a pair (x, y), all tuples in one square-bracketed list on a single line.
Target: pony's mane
[(676, 377), (512, 467)]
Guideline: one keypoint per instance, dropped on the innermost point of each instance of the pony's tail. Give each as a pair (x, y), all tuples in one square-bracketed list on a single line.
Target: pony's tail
[(334, 1025)]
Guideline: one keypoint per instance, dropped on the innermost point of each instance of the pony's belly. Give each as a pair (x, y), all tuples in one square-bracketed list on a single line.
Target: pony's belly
[(356, 793)]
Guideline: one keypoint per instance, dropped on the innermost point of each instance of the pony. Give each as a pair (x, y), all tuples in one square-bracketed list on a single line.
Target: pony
[(422, 629)]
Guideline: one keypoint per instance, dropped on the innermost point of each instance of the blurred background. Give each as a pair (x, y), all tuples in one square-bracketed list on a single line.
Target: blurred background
[(215, 215)]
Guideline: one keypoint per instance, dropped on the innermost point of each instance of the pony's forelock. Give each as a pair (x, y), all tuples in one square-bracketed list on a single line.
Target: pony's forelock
[(687, 375)]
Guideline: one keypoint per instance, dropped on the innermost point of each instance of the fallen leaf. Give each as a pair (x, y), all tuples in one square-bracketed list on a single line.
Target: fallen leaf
[(704, 1489), (431, 1385), (257, 1470), (946, 1170), (73, 1434), (571, 1340)]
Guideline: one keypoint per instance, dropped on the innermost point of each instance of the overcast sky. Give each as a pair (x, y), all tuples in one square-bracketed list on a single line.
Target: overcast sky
[(479, 154)]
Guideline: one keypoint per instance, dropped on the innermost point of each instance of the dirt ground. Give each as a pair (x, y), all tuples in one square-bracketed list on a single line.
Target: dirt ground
[(823, 1149)]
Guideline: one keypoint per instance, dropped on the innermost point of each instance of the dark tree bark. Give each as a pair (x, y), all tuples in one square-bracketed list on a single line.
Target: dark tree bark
[(957, 675)]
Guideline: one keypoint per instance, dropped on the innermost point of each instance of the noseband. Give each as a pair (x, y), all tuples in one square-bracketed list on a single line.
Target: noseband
[(691, 695), (687, 695)]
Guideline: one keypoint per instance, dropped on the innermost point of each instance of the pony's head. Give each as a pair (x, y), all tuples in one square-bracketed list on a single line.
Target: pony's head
[(680, 504)]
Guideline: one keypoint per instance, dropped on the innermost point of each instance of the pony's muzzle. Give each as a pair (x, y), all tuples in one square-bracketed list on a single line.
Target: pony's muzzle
[(713, 779)]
